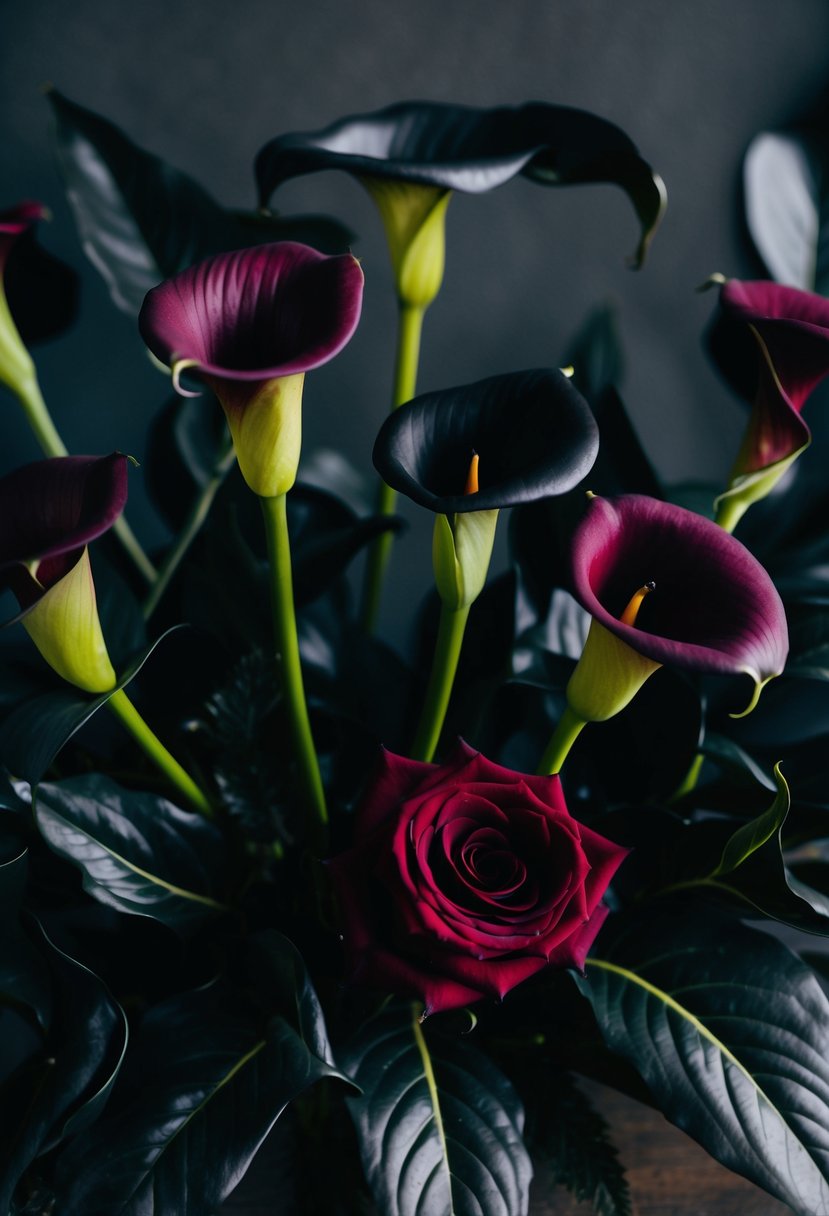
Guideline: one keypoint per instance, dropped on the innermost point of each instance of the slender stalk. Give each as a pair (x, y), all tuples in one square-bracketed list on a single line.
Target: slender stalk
[(441, 679), (40, 420), (729, 513), (563, 738), (124, 709), (275, 515), (192, 526), (689, 781), (409, 328)]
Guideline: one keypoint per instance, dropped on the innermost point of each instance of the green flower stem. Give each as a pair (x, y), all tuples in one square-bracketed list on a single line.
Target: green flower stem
[(40, 420), (410, 325), (192, 526), (689, 781), (563, 738), (444, 666), (124, 709), (730, 512), (275, 514)]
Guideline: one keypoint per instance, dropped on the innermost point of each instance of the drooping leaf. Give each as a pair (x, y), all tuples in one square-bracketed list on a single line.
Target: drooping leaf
[(730, 1031), (137, 852), (205, 1081), (735, 759), (439, 1126), (787, 205), (575, 1139), (33, 733), (141, 221), (61, 1091)]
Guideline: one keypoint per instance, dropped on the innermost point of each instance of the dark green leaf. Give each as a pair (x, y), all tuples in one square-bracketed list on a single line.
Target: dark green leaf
[(575, 1138), (141, 220), (33, 734), (735, 759), (137, 852), (730, 1031), (787, 205), (203, 1085), (439, 1126), (62, 1090)]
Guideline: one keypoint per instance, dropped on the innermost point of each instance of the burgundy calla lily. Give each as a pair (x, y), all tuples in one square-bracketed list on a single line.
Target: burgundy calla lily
[(791, 328), (16, 369), (49, 512), (251, 323), (714, 608)]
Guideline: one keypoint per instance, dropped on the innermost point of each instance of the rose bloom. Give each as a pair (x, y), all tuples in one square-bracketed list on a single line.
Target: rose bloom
[(467, 878)]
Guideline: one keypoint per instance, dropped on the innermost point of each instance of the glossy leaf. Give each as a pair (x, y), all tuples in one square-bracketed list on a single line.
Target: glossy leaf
[(61, 1091), (137, 852), (460, 148), (141, 220), (439, 1126), (185, 444), (33, 733), (786, 205), (731, 1033), (24, 981), (204, 1083)]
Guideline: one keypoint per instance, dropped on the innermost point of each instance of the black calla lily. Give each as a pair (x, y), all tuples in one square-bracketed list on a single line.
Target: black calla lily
[(454, 147), (533, 432)]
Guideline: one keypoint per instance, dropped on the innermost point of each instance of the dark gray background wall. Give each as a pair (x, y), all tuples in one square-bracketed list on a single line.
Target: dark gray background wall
[(205, 84)]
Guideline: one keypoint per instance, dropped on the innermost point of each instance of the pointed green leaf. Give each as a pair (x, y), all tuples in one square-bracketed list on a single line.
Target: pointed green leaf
[(730, 1031), (137, 852), (439, 1126)]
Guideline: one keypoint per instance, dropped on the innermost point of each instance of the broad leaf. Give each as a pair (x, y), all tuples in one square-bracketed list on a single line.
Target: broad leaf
[(33, 733), (787, 205), (141, 220), (61, 1091), (730, 1031), (137, 852), (24, 982), (439, 1126), (204, 1083)]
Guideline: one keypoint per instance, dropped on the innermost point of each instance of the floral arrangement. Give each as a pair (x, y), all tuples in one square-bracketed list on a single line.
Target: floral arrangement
[(261, 877)]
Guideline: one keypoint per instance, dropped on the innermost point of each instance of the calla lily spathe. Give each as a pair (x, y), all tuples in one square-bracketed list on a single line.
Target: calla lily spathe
[(250, 324), (16, 369), (791, 329), (462, 148), (49, 512), (713, 609), (534, 434)]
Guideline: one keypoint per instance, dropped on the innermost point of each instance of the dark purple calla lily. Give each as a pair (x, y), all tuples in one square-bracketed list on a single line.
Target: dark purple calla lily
[(714, 607), (49, 512), (534, 434), (42, 292), (791, 328), (247, 322), (452, 147)]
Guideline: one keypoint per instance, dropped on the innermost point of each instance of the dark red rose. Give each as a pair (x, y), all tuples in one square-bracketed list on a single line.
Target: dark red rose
[(467, 878)]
